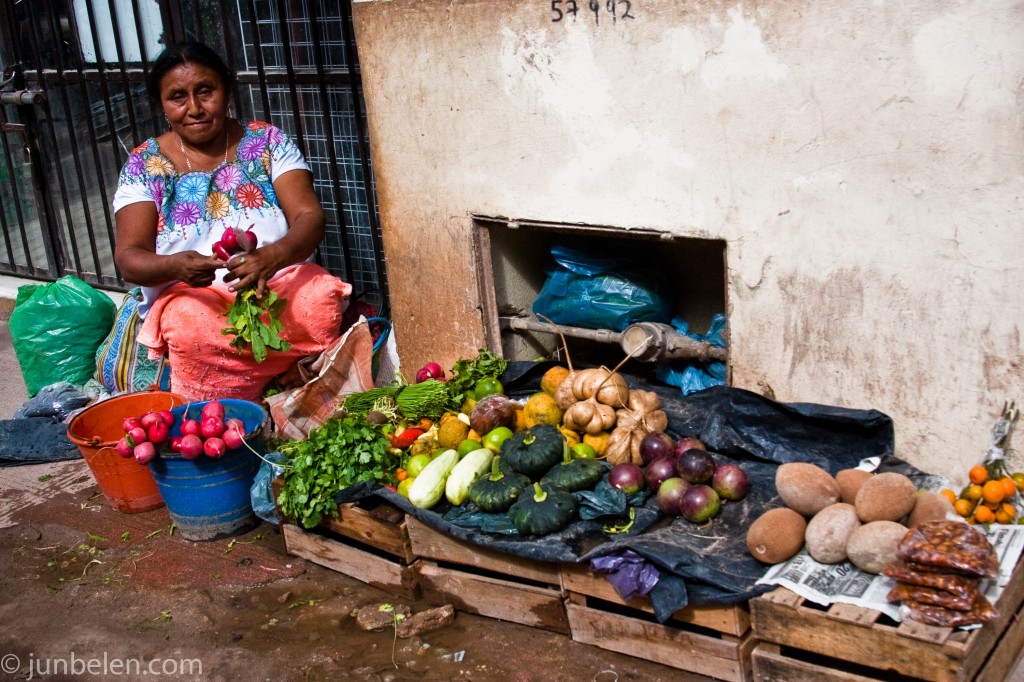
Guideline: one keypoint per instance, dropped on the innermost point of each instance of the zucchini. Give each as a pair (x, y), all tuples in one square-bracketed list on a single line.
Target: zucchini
[(474, 465), (428, 488)]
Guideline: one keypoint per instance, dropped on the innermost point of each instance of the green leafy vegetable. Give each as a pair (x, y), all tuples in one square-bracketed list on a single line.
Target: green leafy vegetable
[(466, 372), (426, 399), (341, 453), (246, 319)]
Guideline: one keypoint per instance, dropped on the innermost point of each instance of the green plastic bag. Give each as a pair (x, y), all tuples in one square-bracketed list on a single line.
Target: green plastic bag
[(56, 329)]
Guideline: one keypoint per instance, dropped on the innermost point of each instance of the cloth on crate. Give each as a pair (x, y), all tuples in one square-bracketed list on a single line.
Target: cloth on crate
[(186, 323), (345, 367), (122, 364)]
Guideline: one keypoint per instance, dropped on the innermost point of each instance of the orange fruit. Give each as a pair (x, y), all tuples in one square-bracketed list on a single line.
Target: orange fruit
[(1005, 513), (972, 492), (1009, 487), (1018, 478), (993, 492), (984, 515), (978, 474), (552, 378), (963, 507), (949, 495), (541, 408)]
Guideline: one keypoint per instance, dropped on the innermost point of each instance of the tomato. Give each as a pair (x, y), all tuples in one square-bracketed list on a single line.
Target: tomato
[(487, 386), (495, 438)]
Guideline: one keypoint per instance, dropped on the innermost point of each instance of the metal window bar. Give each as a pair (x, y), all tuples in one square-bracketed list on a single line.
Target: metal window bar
[(298, 68)]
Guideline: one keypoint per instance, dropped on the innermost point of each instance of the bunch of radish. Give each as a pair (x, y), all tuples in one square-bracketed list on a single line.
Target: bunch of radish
[(235, 240), (143, 434), (211, 435)]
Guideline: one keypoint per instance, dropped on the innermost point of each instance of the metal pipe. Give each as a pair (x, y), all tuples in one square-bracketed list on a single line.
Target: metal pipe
[(657, 342), (644, 341), (526, 324), (23, 97)]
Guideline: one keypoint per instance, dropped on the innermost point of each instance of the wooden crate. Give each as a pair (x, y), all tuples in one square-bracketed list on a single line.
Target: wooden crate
[(487, 582), (715, 641), (368, 541), (798, 640)]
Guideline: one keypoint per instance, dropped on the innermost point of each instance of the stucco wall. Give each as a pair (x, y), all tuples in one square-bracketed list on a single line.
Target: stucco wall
[(862, 159)]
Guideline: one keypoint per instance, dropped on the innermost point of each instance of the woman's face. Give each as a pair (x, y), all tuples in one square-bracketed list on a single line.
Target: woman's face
[(195, 103)]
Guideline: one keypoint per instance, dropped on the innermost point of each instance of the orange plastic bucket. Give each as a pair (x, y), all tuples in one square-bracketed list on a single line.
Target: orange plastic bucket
[(127, 485)]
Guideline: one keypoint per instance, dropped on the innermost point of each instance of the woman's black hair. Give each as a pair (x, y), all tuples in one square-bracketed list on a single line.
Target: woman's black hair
[(190, 52)]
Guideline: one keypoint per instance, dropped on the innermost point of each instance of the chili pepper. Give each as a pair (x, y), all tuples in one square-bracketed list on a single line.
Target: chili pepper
[(405, 438)]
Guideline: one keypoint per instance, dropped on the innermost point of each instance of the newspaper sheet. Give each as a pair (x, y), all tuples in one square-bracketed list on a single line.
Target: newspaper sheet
[(826, 584)]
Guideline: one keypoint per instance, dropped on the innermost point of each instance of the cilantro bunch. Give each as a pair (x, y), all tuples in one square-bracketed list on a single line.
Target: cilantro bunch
[(339, 454), (246, 319)]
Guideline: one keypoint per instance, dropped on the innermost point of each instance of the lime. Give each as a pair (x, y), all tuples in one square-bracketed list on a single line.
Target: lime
[(415, 465), (583, 451), (403, 487), (467, 446), (495, 438), (487, 386)]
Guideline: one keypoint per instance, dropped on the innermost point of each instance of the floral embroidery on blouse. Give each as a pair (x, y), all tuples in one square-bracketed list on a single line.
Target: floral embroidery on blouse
[(191, 200)]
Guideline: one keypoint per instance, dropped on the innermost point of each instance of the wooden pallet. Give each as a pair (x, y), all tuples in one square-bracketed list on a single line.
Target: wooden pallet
[(798, 640), (478, 580), (368, 541), (715, 641)]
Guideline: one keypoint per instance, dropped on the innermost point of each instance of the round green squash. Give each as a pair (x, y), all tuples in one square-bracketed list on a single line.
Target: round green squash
[(574, 474), (534, 450), (544, 512), (497, 491)]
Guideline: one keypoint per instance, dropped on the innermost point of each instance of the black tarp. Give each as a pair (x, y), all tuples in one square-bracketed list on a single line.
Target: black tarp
[(699, 564)]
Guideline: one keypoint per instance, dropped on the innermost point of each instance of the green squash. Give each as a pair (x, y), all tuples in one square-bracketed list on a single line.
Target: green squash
[(534, 450), (497, 491), (573, 474), (546, 511)]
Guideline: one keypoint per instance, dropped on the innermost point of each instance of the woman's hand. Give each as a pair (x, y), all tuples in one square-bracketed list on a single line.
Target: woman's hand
[(253, 269), (195, 269)]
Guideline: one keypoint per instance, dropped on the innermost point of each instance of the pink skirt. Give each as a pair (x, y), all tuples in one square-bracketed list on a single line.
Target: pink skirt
[(186, 322)]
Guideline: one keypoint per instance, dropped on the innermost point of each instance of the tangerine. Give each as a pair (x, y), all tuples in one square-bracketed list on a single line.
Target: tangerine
[(1005, 513), (993, 492), (949, 495), (1018, 478), (978, 474), (1009, 487), (984, 515), (963, 507), (972, 492)]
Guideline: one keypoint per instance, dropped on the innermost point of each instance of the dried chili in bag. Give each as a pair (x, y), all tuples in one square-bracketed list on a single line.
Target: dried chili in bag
[(932, 597), (956, 584), (951, 545), (981, 612)]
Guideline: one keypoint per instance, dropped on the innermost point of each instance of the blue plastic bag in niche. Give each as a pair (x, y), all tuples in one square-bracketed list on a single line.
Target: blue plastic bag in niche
[(692, 376), (586, 290)]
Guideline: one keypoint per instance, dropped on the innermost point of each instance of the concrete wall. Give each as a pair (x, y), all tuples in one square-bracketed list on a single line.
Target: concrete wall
[(863, 160)]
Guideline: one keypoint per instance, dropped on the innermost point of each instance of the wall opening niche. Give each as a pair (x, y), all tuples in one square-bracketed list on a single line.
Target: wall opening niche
[(514, 259)]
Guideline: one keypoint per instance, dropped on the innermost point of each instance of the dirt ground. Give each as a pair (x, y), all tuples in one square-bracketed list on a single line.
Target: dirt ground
[(85, 585)]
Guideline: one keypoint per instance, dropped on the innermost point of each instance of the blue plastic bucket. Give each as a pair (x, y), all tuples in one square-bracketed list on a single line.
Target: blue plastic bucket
[(209, 498)]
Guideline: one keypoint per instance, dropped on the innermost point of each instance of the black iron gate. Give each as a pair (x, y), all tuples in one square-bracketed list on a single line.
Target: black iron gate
[(73, 103)]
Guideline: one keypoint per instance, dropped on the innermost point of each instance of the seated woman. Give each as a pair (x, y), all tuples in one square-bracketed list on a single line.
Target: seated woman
[(176, 195)]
